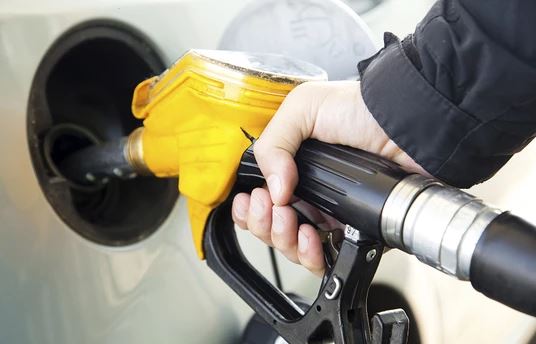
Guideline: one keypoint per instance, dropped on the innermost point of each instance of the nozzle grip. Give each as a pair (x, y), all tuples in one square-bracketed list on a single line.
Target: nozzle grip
[(503, 266), (347, 183)]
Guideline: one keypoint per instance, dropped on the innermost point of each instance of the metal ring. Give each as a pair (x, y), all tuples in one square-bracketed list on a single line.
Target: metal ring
[(398, 204), (134, 152)]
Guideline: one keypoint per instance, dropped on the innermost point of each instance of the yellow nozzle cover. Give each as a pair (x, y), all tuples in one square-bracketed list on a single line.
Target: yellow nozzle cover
[(193, 114)]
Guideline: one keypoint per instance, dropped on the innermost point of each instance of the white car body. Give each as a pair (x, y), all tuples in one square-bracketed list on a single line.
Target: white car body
[(58, 287)]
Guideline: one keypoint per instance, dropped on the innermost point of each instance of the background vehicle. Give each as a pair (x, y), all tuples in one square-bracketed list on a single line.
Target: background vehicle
[(66, 276)]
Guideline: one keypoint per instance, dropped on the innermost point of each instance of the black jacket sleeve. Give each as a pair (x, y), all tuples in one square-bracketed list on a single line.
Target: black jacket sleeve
[(459, 95)]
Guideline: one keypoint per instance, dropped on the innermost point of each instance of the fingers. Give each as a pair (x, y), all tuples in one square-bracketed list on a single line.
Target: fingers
[(240, 209), (310, 253), (254, 213), (278, 226), (285, 232), (281, 173), (259, 220), (301, 245), (276, 147)]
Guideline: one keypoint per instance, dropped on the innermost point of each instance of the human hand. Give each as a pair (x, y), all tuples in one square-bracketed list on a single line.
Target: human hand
[(333, 112)]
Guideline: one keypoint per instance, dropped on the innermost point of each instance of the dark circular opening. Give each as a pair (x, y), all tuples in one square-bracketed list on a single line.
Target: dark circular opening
[(81, 95), (318, 308)]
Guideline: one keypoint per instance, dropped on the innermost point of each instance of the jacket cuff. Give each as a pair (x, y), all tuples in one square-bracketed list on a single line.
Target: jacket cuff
[(421, 121)]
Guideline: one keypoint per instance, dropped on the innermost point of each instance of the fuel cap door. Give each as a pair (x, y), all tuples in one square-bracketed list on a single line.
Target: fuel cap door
[(326, 33)]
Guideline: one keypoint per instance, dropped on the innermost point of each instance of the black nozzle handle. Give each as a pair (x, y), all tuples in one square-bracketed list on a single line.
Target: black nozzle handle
[(347, 183), (503, 266)]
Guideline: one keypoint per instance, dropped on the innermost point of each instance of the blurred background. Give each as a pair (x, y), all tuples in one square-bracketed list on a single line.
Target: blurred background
[(67, 275)]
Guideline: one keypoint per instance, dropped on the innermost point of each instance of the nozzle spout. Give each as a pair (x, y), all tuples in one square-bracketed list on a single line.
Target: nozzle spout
[(97, 163)]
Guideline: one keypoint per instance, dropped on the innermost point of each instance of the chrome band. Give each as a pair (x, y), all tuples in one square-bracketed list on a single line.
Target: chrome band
[(397, 205), (134, 152), (442, 228), (470, 240), (428, 219), (454, 235)]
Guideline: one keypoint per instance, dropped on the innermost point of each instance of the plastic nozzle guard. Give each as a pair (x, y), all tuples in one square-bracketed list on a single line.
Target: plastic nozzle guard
[(194, 114)]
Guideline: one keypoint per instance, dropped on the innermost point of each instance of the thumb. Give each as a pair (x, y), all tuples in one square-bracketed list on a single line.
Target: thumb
[(277, 145)]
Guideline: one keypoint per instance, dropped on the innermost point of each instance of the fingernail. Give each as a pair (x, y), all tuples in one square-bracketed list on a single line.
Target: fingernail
[(274, 185), (256, 206), (303, 242), (278, 222), (240, 210)]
